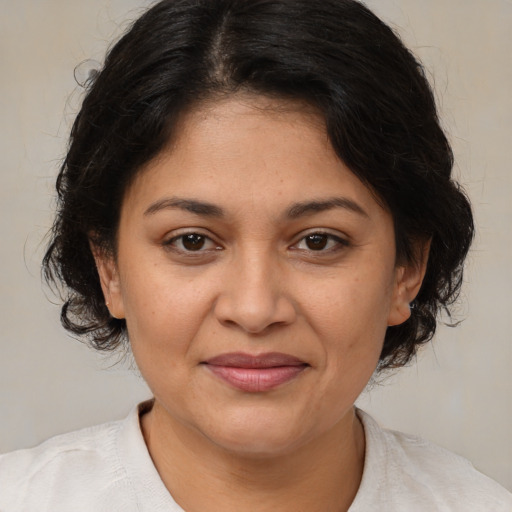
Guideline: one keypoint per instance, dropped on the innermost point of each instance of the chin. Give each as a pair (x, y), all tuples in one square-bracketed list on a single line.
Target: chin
[(258, 436), (257, 445)]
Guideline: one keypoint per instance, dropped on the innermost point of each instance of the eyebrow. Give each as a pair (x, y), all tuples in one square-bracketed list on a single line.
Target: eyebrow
[(295, 211), (189, 205), (311, 207)]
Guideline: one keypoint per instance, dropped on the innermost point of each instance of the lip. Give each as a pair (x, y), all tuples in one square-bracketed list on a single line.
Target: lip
[(255, 373)]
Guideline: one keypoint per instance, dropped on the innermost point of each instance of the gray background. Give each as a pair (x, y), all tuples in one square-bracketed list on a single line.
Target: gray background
[(459, 392)]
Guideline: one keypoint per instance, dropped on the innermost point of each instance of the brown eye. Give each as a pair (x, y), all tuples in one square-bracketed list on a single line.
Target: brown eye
[(316, 242), (321, 242), (193, 242), (194, 246)]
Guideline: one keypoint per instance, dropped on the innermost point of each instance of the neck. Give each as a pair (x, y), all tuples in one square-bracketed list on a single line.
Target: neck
[(323, 474)]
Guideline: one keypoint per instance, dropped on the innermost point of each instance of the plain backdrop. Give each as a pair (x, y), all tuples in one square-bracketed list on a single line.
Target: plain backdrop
[(459, 391)]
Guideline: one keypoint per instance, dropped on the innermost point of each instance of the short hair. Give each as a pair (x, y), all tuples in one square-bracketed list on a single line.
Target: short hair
[(334, 55)]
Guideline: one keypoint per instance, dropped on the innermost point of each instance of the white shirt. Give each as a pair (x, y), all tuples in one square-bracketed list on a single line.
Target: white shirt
[(107, 468)]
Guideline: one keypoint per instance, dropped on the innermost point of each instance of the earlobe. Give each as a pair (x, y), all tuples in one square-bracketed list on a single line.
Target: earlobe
[(109, 280), (400, 309), (409, 278)]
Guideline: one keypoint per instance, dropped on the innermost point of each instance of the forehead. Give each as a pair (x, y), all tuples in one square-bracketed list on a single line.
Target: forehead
[(248, 149)]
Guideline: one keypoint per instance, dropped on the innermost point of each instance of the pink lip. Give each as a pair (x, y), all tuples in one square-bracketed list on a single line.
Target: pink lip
[(257, 373)]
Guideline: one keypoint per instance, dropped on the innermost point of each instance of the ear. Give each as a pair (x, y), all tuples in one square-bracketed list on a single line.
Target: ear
[(408, 280), (109, 279)]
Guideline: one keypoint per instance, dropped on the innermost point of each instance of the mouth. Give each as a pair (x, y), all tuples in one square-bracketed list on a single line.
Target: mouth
[(255, 373)]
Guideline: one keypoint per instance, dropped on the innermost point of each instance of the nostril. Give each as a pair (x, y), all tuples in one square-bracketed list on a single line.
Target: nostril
[(254, 316)]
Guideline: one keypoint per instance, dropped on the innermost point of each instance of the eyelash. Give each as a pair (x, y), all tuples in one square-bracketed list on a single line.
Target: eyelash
[(172, 243), (332, 242), (337, 243)]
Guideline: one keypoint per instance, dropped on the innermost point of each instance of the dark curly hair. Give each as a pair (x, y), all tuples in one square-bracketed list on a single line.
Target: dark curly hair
[(335, 55)]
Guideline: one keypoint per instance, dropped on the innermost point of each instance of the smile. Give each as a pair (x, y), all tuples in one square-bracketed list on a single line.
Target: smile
[(256, 374)]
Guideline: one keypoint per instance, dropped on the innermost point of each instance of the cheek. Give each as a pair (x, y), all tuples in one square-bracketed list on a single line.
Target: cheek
[(350, 303), (349, 316), (163, 310), (352, 327), (161, 324)]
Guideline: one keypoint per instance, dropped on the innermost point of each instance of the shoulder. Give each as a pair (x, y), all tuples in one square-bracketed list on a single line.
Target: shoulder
[(415, 474), (63, 469), (86, 442)]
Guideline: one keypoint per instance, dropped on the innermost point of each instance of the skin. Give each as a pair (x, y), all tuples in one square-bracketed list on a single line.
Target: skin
[(255, 286)]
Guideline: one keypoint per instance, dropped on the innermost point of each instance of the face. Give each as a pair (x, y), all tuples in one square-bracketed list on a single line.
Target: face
[(257, 277)]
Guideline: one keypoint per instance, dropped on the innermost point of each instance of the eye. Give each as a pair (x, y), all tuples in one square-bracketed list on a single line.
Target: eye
[(192, 242), (319, 242)]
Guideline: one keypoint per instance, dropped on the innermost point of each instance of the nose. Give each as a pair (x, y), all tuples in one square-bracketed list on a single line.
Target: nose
[(254, 296)]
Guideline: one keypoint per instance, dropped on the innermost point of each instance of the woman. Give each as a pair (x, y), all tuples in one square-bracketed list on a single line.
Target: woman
[(257, 195)]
